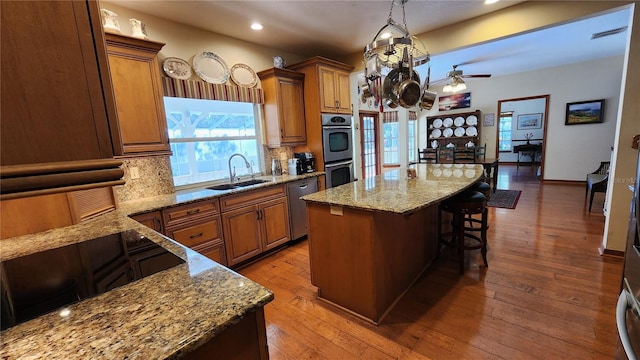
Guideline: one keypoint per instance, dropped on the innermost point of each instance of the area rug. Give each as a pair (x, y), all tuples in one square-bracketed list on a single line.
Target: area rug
[(507, 199)]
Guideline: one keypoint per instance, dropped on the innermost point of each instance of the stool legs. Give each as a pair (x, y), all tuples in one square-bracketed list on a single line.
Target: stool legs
[(459, 232)]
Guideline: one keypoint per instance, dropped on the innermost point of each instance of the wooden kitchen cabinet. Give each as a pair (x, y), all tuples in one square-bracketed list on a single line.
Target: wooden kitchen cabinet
[(135, 74), (151, 220), (334, 90), (283, 107), (254, 222), (57, 101), (326, 85), (198, 226)]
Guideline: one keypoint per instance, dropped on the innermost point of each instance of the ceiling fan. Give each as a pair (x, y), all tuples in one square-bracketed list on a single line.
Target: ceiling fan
[(454, 79)]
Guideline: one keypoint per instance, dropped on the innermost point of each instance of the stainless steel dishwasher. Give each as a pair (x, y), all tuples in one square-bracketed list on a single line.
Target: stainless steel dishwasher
[(297, 207)]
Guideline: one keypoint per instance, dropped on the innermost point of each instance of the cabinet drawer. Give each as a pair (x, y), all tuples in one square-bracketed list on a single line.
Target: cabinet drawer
[(188, 212), (214, 250), (251, 197), (197, 233)]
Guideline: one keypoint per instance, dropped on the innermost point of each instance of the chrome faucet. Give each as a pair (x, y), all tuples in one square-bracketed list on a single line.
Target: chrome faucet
[(232, 171)]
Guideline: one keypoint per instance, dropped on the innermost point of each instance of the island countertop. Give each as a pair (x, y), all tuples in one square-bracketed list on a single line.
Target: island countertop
[(394, 192), (162, 316)]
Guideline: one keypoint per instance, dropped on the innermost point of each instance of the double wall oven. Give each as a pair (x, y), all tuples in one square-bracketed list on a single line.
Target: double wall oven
[(337, 149)]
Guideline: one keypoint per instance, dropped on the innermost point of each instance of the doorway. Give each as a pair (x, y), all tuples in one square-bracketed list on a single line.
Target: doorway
[(369, 154), (522, 130)]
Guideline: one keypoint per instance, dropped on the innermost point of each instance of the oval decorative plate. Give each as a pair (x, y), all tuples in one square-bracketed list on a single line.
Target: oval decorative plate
[(436, 133), (447, 132), (176, 68), (459, 121), (437, 123), (243, 75), (472, 120), (459, 132), (210, 67), (447, 122), (471, 131)]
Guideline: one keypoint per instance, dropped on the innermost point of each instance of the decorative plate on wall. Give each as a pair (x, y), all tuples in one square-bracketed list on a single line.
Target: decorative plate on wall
[(459, 132), (447, 132), (471, 131), (210, 67), (437, 123), (436, 133), (447, 122), (472, 120), (243, 75), (459, 121), (176, 68)]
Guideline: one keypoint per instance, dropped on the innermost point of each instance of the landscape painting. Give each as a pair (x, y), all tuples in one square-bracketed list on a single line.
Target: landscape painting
[(454, 101), (585, 112)]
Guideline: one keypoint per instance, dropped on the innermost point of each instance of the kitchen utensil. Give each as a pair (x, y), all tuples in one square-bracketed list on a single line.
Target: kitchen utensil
[(409, 88)]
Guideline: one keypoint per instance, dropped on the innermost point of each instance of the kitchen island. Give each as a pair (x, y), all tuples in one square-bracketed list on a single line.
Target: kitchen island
[(370, 240)]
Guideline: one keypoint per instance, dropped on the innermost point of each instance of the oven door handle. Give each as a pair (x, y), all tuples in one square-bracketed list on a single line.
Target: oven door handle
[(342, 163), (336, 127), (621, 321)]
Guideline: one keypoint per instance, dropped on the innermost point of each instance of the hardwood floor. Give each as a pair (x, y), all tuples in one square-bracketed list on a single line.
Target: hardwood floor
[(547, 293)]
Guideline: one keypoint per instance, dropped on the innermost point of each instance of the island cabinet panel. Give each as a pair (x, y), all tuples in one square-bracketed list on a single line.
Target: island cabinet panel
[(244, 340), (135, 74), (283, 107), (364, 261), (254, 222), (57, 101)]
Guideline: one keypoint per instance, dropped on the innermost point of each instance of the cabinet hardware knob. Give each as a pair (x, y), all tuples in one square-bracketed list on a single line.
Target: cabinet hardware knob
[(196, 235), (194, 211)]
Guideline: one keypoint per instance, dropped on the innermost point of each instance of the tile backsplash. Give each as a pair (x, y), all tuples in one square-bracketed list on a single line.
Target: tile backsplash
[(154, 177)]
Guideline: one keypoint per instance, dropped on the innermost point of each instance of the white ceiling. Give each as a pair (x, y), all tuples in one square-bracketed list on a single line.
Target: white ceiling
[(337, 28)]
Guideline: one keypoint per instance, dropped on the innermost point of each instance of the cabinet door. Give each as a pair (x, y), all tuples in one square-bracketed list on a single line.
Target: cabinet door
[(328, 96), (292, 122), (151, 220), (274, 218), (241, 234), (136, 83), (56, 99), (344, 98)]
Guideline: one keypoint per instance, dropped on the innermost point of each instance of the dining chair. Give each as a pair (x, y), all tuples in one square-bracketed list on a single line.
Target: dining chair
[(480, 152), (445, 154), (597, 181), (463, 155)]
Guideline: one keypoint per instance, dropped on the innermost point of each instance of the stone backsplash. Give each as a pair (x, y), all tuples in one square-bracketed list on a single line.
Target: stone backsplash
[(155, 178)]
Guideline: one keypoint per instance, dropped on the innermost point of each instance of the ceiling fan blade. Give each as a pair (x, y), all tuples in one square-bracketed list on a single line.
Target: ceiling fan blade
[(476, 76), (439, 81)]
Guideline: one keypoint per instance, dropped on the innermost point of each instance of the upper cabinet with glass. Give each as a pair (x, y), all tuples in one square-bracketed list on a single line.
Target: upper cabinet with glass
[(135, 74)]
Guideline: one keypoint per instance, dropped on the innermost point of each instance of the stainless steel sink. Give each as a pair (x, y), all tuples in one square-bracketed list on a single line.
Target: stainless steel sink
[(250, 182), (222, 187), (237, 185)]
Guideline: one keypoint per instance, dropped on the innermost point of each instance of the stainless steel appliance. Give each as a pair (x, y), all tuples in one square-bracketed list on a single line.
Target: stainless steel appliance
[(338, 173), (337, 142), (306, 162), (297, 207), (628, 309)]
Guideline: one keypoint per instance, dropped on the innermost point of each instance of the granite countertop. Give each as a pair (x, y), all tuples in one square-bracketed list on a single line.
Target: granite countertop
[(394, 192), (142, 320)]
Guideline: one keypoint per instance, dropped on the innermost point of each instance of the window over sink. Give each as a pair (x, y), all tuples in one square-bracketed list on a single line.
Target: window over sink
[(205, 133)]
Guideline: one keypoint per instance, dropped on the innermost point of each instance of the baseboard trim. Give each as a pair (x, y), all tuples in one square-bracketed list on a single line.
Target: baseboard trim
[(610, 253), (564, 182)]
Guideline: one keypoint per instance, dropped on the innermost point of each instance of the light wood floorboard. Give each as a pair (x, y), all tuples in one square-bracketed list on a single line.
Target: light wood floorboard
[(547, 293)]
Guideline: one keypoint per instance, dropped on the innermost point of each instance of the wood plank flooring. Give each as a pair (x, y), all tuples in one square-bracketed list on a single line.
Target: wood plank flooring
[(547, 293)]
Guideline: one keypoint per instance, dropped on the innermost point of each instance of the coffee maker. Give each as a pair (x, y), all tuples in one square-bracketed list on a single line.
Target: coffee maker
[(306, 162)]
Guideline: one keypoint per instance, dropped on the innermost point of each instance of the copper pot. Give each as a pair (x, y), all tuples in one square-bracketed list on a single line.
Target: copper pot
[(427, 100)]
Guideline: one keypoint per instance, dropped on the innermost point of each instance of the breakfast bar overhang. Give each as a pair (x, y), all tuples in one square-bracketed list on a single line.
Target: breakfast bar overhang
[(370, 240)]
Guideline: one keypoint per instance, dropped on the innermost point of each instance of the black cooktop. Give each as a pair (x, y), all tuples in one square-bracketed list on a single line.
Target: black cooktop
[(36, 284)]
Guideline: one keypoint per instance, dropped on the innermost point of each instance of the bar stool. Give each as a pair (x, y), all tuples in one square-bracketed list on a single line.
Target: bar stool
[(466, 203), (484, 188)]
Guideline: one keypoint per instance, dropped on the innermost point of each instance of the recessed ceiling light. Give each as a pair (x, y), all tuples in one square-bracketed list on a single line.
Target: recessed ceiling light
[(256, 26), (489, 2)]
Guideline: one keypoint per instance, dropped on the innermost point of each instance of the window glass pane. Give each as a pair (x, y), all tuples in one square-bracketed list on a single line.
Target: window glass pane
[(411, 140), (504, 137), (205, 133), (390, 143)]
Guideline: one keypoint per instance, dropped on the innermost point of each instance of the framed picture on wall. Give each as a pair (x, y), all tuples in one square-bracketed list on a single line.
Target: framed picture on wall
[(530, 121), (454, 101), (585, 112)]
